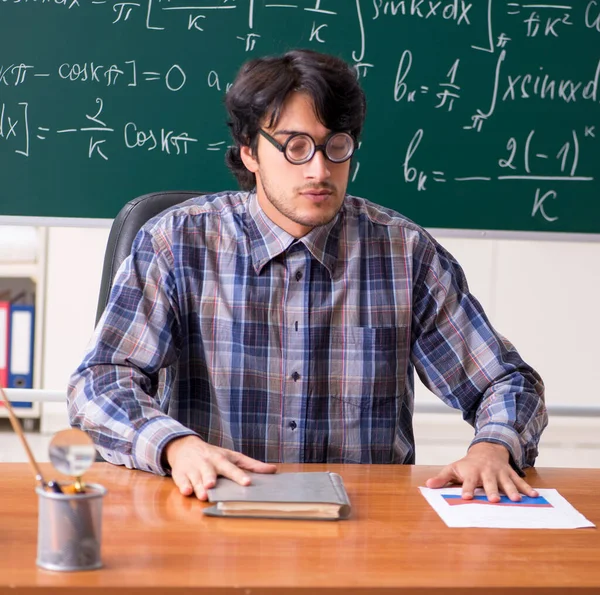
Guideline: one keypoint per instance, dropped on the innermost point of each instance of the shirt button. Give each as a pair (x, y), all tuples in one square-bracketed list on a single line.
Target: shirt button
[(295, 376), (298, 275), (293, 425)]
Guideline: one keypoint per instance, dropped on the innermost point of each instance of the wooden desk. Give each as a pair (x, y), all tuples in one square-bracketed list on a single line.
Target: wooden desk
[(155, 540)]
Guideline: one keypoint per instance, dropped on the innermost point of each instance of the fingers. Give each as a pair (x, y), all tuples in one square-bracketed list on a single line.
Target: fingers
[(233, 465), (525, 488), (199, 480), (468, 487), (486, 466), (245, 462), (196, 466), (226, 468), (205, 477), (199, 488), (445, 476), (192, 483), (490, 486), (493, 485), (183, 482), (514, 486), (508, 483)]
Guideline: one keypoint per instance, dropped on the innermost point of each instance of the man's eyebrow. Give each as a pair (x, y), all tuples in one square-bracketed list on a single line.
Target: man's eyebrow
[(290, 132), (285, 131)]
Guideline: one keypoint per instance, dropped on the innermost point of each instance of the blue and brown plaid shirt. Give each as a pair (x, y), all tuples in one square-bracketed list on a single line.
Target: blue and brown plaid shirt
[(223, 325)]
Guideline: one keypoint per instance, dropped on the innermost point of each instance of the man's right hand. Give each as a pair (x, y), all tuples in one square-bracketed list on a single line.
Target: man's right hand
[(195, 465)]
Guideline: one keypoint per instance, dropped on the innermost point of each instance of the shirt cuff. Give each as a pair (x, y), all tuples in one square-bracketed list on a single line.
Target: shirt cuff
[(151, 439), (508, 437)]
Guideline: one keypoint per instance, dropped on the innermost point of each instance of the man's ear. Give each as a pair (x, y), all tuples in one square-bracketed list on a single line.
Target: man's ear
[(248, 158)]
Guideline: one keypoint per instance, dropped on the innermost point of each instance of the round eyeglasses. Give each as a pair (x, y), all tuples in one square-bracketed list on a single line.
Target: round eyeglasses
[(300, 147)]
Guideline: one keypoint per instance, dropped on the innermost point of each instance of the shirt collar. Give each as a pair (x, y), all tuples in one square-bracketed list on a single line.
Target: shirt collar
[(268, 240)]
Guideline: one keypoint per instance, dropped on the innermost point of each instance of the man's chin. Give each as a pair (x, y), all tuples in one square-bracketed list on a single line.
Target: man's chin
[(316, 219)]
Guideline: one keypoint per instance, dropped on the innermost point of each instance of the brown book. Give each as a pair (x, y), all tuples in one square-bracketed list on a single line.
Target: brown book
[(317, 496)]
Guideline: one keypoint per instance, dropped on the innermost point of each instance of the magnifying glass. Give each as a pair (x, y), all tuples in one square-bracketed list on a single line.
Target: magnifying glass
[(72, 452)]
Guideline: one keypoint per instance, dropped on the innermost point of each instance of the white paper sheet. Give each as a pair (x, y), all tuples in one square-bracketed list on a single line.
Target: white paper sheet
[(549, 511)]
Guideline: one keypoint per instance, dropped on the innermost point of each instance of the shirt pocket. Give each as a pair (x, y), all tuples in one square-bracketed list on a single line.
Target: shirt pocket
[(367, 365)]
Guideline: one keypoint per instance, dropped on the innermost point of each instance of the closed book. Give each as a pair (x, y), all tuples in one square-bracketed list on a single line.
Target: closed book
[(311, 495)]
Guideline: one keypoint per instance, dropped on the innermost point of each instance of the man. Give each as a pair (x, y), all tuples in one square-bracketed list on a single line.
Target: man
[(283, 322)]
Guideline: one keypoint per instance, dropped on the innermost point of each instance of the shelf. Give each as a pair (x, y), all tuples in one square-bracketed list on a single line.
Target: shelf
[(32, 412), (27, 276), (18, 270)]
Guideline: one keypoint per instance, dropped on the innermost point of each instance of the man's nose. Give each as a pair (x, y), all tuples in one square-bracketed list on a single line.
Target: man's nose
[(318, 167)]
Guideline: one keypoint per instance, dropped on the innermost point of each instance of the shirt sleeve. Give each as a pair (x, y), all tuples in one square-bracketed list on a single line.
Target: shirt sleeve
[(461, 358), (114, 393)]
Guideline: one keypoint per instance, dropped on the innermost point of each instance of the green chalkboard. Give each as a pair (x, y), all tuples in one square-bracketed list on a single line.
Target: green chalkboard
[(482, 114)]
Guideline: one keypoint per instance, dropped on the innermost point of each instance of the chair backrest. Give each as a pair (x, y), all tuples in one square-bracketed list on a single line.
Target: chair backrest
[(124, 228)]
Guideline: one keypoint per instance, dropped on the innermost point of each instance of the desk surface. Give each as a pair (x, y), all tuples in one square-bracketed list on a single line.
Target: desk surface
[(156, 540)]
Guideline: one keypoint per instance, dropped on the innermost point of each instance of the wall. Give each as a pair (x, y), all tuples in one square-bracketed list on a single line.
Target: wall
[(542, 295), (74, 265)]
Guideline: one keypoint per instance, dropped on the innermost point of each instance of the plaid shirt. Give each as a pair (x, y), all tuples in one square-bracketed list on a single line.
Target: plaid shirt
[(223, 325)]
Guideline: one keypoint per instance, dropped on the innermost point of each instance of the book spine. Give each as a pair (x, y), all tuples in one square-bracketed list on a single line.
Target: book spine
[(340, 490)]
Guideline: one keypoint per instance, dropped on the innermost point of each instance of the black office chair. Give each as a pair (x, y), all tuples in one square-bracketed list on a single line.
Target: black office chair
[(127, 223), (124, 228)]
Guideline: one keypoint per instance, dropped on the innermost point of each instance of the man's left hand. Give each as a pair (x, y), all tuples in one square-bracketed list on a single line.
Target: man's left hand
[(485, 465)]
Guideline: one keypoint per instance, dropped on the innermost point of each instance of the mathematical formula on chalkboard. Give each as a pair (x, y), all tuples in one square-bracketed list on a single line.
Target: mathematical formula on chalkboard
[(468, 102)]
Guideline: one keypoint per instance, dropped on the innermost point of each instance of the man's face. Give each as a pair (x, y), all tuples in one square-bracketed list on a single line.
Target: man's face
[(297, 197)]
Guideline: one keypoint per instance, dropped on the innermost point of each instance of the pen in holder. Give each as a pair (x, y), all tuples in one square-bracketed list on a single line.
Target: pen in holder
[(70, 522), (69, 516), (70, 529), (16, 425)]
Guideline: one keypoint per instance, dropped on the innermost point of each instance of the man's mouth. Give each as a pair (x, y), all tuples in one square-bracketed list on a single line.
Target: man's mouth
[(317, 195)]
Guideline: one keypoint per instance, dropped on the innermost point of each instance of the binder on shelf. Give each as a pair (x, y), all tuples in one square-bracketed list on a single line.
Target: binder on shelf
[(4, 326), (20, 356)]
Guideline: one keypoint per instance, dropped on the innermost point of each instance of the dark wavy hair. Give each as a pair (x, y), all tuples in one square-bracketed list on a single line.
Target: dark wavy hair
[(262, 86)]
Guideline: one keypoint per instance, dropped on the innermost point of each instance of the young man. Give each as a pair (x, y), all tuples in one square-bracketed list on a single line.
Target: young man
[(283, 322)]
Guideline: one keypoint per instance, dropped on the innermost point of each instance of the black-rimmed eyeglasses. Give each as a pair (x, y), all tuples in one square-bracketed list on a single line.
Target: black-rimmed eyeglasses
[(300, 147)]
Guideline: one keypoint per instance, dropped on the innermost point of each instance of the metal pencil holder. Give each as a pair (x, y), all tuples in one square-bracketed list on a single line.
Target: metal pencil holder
[(70, 529)]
